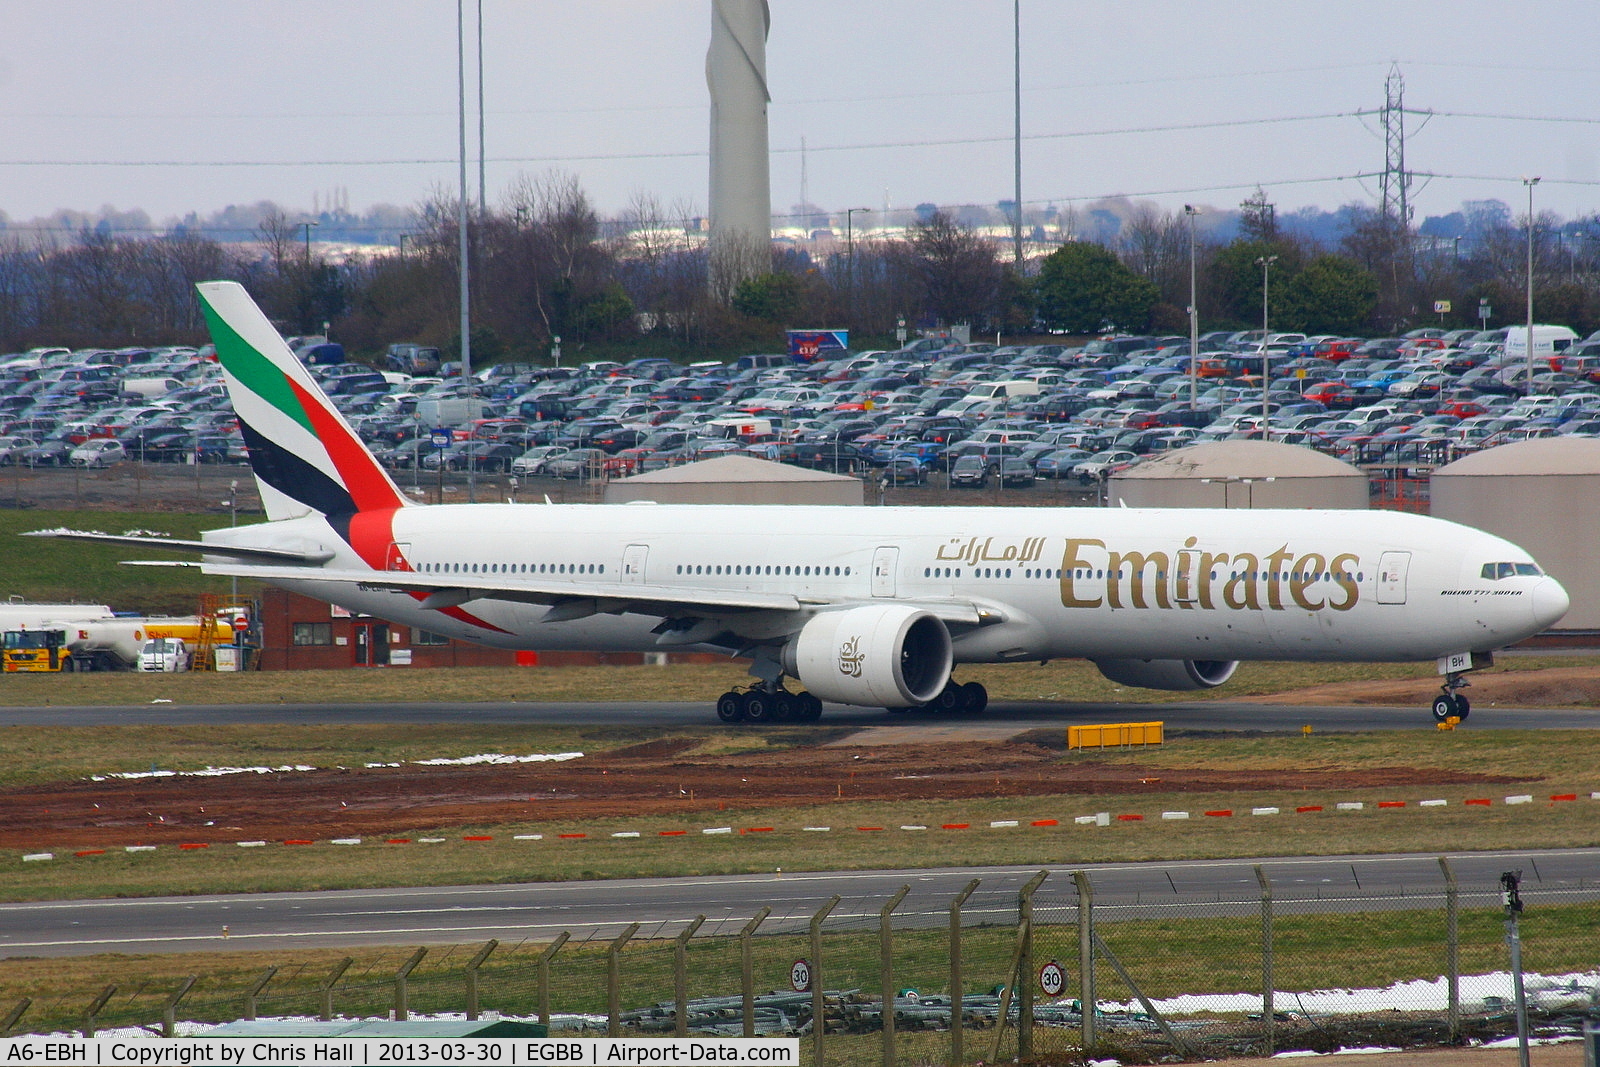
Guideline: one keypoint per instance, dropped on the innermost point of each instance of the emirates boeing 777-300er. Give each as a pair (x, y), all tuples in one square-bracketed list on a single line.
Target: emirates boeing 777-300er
[(871, 606)]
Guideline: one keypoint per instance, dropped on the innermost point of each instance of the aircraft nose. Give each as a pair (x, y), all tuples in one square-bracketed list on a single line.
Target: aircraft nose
[(1550, 603)]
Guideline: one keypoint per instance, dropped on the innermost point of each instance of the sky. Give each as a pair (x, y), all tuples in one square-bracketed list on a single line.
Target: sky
[(173, 106)]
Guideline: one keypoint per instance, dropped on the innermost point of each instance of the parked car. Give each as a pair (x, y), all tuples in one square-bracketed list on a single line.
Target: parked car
[(904, 470), (1015, 473), (579, 463), (98, 452), (969, 472), (534, 461)]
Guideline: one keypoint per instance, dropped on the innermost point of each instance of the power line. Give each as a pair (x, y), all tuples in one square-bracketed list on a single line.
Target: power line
[(693, 154)]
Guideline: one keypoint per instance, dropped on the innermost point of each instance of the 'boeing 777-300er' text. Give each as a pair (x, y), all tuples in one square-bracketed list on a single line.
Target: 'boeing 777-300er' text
[(869, 606)]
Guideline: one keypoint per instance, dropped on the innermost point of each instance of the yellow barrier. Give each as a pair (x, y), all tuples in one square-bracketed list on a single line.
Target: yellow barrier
[(1115, 735)]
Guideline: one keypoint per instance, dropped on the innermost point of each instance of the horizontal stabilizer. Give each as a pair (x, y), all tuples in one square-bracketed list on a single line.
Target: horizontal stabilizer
[(243, 553)]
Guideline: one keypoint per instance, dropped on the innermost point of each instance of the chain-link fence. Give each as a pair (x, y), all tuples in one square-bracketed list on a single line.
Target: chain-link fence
[(1174, 966)]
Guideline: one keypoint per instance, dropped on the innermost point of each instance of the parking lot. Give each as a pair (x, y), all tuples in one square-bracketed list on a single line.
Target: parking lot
[(930, 422)]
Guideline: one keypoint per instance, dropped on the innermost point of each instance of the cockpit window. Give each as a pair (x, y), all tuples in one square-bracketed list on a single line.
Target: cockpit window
[(1495, 571)]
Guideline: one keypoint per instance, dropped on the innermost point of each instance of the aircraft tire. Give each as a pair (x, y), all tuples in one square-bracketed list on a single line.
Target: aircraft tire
[(974, 698), (809, 708), (1463, 707), (731, 706), (758, 708), (1443, 707), (949, 700), (783, 707)]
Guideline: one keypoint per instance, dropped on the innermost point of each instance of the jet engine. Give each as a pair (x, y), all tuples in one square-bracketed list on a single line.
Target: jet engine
[(883, 655), (1175, 674)]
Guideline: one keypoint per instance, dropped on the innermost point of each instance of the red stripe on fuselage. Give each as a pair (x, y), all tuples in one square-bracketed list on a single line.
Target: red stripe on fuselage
[(372, 536)]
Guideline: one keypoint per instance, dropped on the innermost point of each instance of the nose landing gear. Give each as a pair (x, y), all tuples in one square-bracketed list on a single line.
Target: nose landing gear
[(1450, 701)]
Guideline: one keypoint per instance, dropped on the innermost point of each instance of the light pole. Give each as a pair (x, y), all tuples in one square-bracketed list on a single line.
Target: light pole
[(233, 520), (1194, 316), (1530, 183), (306, 226), (850, 253), (1266, 370), (1016, 134)]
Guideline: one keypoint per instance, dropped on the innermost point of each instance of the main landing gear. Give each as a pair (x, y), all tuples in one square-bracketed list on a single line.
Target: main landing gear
[(955, 699), (1450, 701), (759, 705)]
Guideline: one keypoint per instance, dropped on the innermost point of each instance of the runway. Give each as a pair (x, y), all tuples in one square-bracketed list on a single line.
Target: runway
[(283, 922)]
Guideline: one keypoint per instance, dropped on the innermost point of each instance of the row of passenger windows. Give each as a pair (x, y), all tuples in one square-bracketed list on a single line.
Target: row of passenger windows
[(764, 570), (514, 568), (1085, 574)]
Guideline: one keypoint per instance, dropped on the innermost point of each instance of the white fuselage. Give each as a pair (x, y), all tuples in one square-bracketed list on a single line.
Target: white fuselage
[(1059, 582)]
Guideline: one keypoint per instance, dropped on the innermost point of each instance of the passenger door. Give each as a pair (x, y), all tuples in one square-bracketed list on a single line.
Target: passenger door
[(1392, 567), (885, 561)]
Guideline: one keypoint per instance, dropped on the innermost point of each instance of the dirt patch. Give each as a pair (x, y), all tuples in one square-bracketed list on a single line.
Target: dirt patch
[(648, 779)]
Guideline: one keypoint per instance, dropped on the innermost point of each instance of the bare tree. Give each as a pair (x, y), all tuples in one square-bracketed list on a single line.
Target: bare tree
[(1156, 245)]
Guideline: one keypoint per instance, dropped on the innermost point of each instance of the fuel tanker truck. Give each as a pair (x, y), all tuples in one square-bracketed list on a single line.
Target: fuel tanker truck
[(109, 643)]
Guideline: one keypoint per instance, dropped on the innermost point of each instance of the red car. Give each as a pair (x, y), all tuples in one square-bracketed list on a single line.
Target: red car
[(1462, 409), (1337, 350)]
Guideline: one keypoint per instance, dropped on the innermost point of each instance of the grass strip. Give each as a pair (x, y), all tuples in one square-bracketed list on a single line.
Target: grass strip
[(1167, 956)]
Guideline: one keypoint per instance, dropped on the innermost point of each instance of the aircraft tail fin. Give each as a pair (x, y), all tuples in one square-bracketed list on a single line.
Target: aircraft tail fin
[(305, 457)]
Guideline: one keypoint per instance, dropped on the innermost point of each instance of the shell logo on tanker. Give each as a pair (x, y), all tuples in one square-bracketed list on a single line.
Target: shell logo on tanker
[(1093, 575)]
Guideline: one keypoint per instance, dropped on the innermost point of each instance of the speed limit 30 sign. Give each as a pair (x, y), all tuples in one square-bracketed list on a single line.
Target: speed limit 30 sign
[(1052, 979)]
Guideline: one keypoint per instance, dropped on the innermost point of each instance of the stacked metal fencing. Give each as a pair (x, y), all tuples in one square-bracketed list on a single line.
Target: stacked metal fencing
[(999, 970)]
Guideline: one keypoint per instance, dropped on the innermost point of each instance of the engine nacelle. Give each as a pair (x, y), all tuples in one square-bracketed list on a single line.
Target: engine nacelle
[(881, 655), (1179, 675)]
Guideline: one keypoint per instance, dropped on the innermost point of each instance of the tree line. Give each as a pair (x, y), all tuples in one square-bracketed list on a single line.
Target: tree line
[(545, 265)]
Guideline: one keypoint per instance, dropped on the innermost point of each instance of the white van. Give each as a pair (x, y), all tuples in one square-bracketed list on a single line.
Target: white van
[(148, 387), (1003, 390), (1548, 341)]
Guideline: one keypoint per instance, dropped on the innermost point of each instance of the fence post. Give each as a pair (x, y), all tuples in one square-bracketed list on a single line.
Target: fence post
[(1267, 1019), (1086, 997), (544, 975), (169, 1014), (886, 967), (402, 1003), (819, 1003), (1024, 973), (1009, 992), (328, 983), (472, 976), (16, 1015), (1452, 919), (680, 978), (255, 992), (747, 976), (614, 981), (956, 1020), (96, 1006)]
